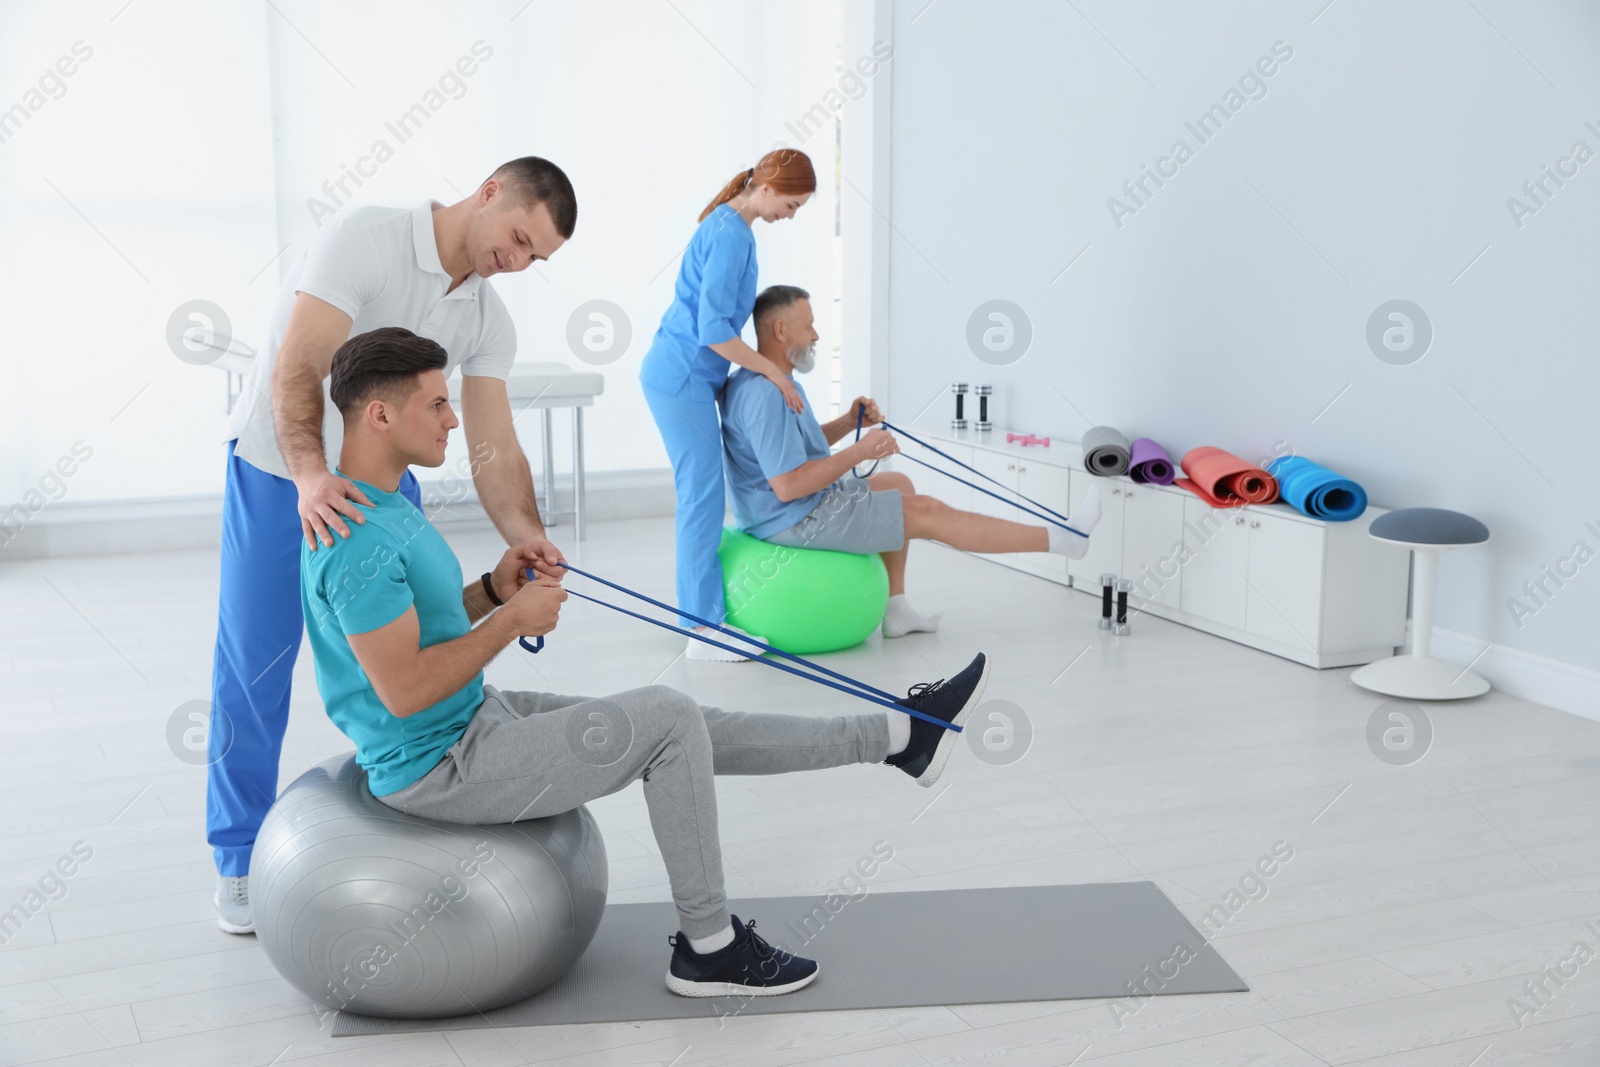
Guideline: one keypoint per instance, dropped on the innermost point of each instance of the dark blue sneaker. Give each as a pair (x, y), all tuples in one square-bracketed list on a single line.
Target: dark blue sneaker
[(930, 746), (747, 968)]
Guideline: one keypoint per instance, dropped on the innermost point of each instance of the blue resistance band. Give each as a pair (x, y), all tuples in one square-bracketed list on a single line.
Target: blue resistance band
[(1058, 519), (861, 410), (865, 692)]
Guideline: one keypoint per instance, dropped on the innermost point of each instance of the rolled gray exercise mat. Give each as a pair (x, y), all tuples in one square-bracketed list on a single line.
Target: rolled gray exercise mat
[(1105, 451)]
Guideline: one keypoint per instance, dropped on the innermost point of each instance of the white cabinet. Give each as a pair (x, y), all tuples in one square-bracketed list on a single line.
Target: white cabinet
[(1152, 544), (952, 492), (1320, 593), (1002, 469), (1284, 581), (1216, 559), (1105, 544), (1254, 571), (1050, 485)]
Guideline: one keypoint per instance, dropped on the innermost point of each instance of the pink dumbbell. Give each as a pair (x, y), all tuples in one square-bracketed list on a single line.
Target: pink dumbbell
[(1027, 439)]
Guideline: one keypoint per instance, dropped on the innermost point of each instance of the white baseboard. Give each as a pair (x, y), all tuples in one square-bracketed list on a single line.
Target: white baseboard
[(167, 523), (1550, 682)]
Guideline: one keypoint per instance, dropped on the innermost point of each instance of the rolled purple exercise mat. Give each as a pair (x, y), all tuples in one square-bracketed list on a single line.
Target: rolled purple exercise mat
[(1150, 464)]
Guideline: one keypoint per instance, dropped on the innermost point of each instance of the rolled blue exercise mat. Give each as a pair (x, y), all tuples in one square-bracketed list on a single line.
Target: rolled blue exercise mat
[(1314, 490), (1105, 451)]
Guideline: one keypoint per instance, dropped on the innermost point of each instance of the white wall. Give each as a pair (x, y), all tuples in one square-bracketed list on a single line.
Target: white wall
[(1231, 309), (193, 138)]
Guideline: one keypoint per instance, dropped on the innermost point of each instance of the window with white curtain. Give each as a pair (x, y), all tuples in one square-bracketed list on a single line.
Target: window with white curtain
[(172, 173)]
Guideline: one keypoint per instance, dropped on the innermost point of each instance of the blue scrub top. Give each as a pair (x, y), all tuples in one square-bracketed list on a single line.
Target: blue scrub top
[(713, 298)]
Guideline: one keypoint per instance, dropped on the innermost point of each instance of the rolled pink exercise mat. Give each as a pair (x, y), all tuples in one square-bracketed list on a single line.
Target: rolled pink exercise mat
[(1150, 464), (1223, 480)]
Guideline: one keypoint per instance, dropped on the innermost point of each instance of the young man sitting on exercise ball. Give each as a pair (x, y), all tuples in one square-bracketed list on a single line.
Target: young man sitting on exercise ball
[(401, 642), (788, 488)]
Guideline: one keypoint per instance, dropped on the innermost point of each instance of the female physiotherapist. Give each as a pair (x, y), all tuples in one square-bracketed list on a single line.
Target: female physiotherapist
[(692, 354)]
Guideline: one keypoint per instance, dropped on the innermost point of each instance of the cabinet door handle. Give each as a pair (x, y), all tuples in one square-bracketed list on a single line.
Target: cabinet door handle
[(1022, 468), (1255, 524), (1011, 466), (1116, 492), (1239, 521), (1129, 494)]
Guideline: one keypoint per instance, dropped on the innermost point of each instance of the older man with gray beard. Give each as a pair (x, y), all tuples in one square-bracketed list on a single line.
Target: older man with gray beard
[(789, 488)]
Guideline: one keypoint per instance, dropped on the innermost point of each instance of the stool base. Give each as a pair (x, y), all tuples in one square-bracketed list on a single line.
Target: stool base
[(1420, 678)]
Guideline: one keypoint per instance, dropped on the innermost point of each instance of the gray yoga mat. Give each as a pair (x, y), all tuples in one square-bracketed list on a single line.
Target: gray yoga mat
[(1105, 450), (887, 950)]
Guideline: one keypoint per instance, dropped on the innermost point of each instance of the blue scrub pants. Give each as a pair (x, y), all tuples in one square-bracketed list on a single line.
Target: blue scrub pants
[(693, 436), (259, 628)]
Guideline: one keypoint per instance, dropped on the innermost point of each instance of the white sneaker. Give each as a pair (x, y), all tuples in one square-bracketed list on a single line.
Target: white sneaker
[(233, 904), (704, 653)]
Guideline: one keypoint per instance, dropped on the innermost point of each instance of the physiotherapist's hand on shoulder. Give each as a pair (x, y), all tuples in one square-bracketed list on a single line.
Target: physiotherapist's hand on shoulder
[(791, 395), (324, 497), (542, 555)]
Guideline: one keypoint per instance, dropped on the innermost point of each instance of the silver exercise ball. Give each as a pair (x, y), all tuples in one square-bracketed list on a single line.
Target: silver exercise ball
[(368, 910)]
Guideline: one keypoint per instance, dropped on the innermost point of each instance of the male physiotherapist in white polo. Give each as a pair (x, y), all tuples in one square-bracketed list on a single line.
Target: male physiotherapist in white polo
[(424, 268)]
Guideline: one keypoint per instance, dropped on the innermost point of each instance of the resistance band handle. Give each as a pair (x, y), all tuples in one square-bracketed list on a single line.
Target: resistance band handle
[(861, 411), (538, 642)]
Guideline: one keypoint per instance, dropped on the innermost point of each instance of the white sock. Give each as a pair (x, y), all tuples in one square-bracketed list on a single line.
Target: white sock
[(1086, 518), (899, 732), (901, 618), (716, 942)]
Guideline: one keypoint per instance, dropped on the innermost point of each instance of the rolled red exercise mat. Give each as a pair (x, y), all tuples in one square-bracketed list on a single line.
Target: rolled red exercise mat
[(1149, 463), (1105, 451), (1223, 480)]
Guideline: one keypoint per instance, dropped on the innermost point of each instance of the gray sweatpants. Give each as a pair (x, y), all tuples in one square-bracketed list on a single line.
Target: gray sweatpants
[(530, 755)]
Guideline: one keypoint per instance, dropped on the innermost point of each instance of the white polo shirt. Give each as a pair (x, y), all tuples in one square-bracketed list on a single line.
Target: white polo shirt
[(380, 266)]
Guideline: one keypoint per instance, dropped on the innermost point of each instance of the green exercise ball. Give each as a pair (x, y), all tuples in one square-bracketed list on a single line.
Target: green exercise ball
[(802, 600)]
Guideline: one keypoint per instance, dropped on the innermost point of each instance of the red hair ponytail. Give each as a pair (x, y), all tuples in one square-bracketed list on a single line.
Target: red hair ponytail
[(786, 171)]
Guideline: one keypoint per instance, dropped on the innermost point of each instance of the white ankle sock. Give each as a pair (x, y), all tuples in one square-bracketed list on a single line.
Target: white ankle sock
[(901, 618), (899, 732), (1085, 518), (714, 943)]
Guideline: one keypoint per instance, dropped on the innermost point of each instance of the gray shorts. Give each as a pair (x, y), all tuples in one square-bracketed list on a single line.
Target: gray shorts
[(850, 517)]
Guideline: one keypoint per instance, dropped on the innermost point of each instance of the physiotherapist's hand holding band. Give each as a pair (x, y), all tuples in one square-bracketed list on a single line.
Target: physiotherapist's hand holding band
[(542, 555), (508, 576)]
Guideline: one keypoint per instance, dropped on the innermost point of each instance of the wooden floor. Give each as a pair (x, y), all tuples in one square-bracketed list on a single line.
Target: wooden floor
[(1418, 902)]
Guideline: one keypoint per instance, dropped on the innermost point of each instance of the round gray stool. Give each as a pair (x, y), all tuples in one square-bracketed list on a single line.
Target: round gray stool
[(1421, 676)]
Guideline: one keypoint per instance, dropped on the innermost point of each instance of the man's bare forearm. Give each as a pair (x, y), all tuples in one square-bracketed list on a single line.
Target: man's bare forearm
[(443, 669), (505, 489), (834, 429), (817, 474), (297, 417)]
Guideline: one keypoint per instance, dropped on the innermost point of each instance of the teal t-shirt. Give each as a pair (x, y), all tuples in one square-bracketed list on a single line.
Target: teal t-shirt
[(395, 560)]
